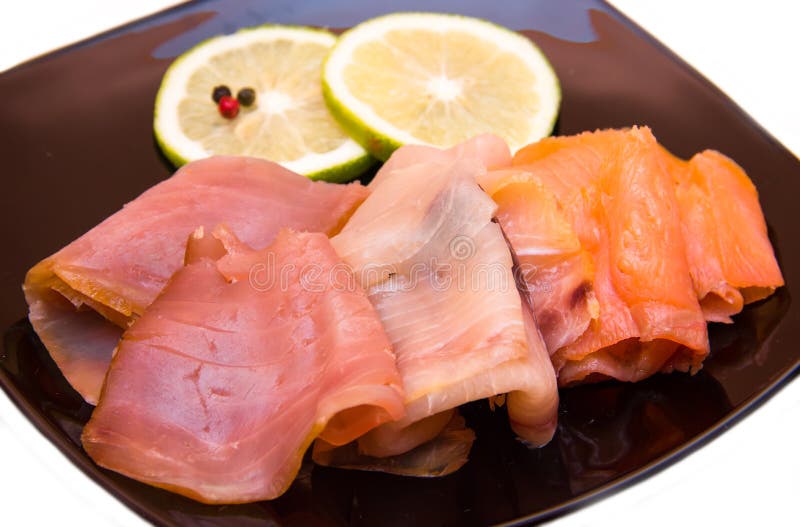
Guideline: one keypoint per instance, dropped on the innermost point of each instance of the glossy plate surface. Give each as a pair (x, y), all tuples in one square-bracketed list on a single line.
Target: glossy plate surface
[(76, 143)]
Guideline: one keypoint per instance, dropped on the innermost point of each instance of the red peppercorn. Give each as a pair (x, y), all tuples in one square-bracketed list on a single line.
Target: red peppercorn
[(228, 107)]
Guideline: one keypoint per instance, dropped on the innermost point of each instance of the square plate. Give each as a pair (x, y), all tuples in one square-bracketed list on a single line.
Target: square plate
[(76, 140)]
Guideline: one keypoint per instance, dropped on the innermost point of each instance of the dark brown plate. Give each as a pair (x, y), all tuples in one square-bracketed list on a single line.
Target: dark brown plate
[(76, 143)]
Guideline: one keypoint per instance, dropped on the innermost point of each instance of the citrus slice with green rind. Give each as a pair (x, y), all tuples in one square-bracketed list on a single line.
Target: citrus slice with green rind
[(288, 123), (438, 79)]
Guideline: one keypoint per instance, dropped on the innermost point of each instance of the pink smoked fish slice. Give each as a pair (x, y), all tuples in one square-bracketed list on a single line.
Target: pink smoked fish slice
[(391, 440), (556, 271), (218, 389), (650, 319), (85, 295), (439, 272), (443, 454), (730, 256), (489, 150)]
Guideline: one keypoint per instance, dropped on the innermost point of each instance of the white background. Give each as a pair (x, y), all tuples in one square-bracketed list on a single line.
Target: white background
[(748, 476)]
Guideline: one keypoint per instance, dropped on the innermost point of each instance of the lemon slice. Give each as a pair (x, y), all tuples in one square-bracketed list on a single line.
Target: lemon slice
[(438, 79), (288, 123)]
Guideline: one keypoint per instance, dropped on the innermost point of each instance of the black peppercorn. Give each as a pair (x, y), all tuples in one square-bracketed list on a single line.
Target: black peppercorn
[(246, 96), (220, 92)]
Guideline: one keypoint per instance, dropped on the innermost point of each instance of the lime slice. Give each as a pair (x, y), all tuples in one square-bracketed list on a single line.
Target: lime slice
[(288, 123), (438, 79)]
